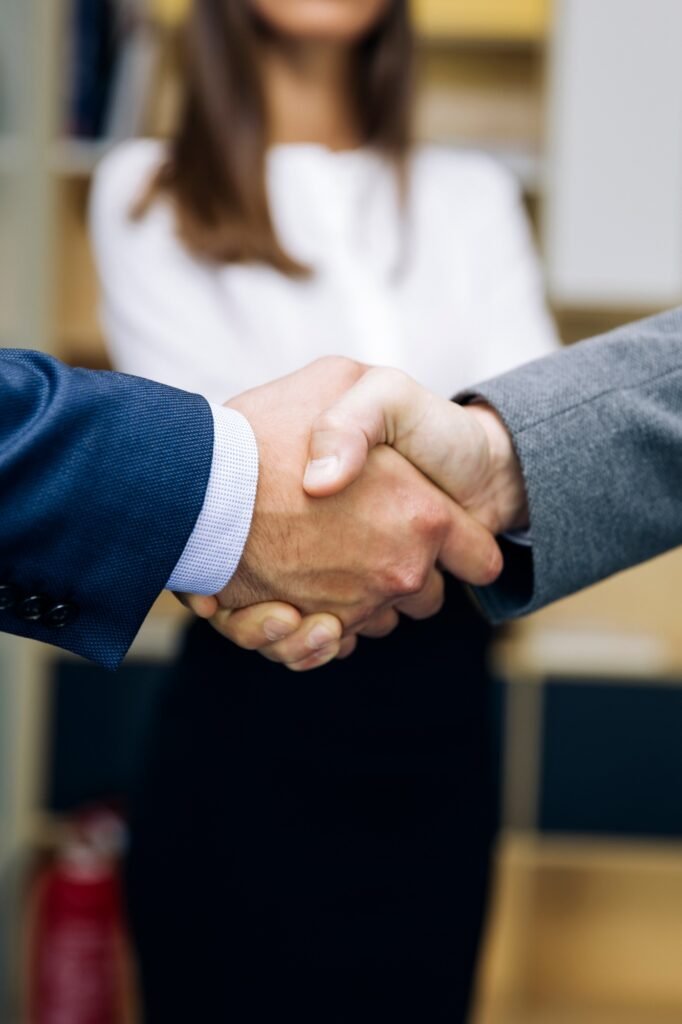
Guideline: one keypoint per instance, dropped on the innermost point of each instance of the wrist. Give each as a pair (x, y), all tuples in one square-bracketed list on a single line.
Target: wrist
[(502, 502)]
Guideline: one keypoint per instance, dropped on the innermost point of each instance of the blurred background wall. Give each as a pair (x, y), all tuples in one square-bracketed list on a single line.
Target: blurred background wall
[(583, 100)]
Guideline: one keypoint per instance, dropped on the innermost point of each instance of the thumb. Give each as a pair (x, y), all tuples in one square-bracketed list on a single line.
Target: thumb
[(338, 453), (383, 404)]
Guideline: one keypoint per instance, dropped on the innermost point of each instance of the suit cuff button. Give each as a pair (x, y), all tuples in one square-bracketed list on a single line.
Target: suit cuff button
[(32, 608), (9, 595), (60, 615)]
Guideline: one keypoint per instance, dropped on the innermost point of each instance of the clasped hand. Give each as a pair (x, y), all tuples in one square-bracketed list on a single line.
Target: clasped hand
[(369, 486)]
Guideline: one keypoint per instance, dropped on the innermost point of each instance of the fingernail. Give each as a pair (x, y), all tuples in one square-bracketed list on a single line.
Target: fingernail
[(321, 471), (320, 637), (274, 629)]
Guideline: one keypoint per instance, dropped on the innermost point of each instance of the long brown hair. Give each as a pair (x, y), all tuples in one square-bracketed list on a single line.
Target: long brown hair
[(215, 172)]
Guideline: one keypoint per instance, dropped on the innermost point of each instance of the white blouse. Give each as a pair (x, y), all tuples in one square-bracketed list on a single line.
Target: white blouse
[(445, 286)]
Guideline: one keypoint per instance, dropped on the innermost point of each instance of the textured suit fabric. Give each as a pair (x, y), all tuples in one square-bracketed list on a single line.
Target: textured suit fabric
[(598, 431), (102, 477)]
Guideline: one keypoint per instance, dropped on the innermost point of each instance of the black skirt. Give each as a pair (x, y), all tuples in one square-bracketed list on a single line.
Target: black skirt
[(316, 847)]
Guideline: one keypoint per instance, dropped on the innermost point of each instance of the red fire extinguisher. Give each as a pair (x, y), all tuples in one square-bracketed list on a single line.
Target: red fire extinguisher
[(76, 971)]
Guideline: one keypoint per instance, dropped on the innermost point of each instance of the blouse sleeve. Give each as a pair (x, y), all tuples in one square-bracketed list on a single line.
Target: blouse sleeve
[(508, 296), (152, 301)]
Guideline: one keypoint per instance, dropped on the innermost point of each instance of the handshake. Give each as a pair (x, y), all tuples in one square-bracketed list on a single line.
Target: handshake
[(369, 486)]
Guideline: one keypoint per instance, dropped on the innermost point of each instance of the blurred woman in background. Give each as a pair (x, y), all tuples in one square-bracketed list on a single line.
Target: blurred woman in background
[(315, 846)]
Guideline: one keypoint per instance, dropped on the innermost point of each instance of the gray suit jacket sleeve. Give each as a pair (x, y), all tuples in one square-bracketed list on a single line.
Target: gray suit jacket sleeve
[(598, 431)]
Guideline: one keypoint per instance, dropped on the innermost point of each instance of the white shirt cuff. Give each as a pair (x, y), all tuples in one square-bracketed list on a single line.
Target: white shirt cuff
[(214, 550)]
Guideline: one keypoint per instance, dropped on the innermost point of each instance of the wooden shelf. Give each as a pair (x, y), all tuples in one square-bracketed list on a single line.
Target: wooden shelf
[(583, 931), (506, 20), (627, 627), (509, 21), (169, 13), (490, 101)]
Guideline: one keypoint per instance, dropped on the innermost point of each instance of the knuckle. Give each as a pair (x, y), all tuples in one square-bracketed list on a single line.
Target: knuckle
[(333, 362), (340, 367), (392, 380), (406, 579), (435, 517), (428, 516)]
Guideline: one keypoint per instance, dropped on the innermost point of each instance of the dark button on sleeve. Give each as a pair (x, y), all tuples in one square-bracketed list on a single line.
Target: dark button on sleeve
[(32, 608), (9, 595), (60, 615)]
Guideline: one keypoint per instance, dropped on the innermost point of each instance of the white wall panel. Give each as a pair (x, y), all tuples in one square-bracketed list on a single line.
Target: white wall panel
[(613, 216)]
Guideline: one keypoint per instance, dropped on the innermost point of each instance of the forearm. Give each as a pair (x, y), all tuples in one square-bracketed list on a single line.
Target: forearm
[(102, 479)]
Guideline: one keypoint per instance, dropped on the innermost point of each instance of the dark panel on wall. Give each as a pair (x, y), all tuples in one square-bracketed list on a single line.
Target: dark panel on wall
[(612, 759), (97, 727)]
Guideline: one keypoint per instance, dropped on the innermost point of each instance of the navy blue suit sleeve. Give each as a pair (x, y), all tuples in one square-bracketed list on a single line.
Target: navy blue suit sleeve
[(102, 478)]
